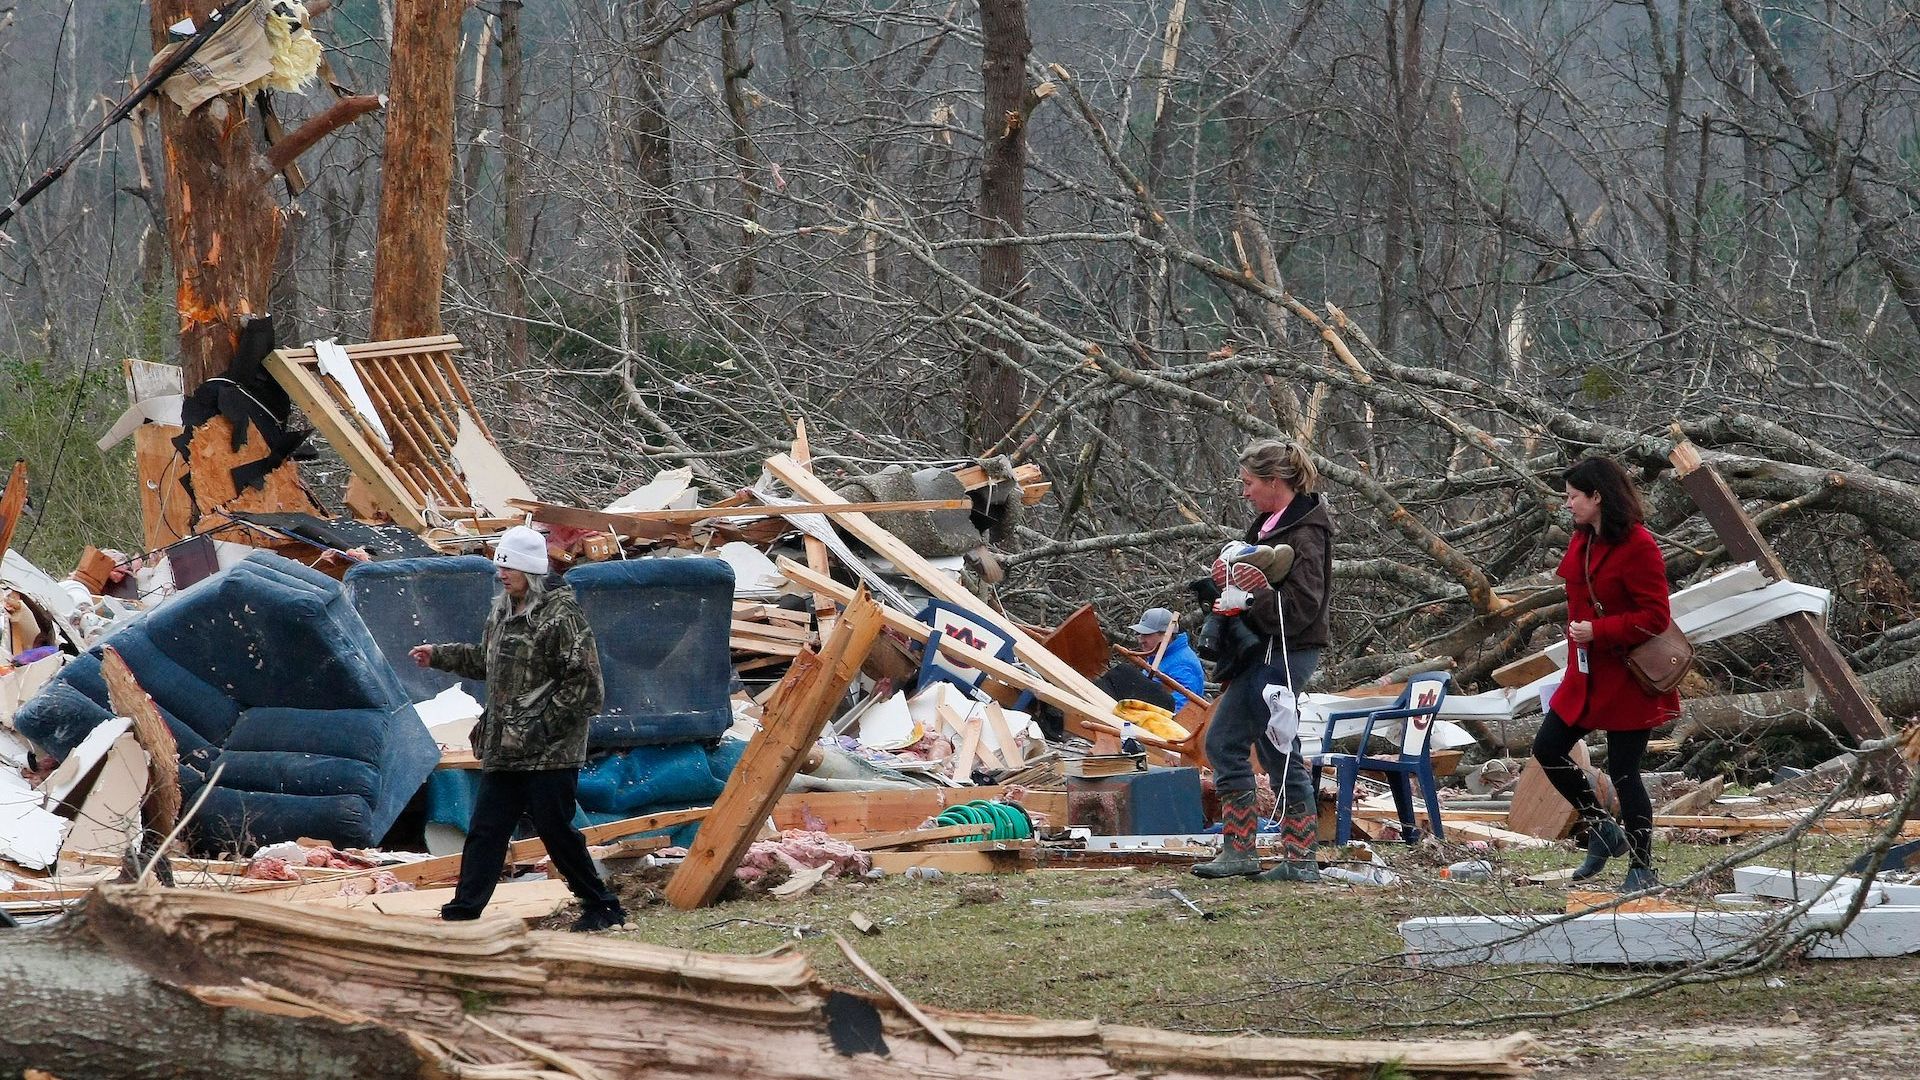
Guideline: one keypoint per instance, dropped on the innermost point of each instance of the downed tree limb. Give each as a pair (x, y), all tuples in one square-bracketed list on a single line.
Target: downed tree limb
[(317, 992)]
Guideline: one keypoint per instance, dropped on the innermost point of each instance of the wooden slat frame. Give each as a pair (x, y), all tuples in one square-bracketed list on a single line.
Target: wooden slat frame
[(416, 390)]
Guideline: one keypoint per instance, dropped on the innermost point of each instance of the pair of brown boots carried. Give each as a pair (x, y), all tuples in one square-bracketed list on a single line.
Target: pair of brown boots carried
[(1238, 820)]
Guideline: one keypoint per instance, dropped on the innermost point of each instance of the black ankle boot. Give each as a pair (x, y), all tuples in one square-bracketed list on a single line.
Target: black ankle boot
[(1605, 840)]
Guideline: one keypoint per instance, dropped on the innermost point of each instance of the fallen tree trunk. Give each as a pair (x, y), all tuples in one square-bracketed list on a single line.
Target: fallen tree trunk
[(75, 1005), (216, 984)]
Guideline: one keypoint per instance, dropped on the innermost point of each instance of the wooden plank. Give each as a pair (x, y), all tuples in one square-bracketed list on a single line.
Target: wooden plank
[(12, 502), (1032, 481), (982, 861), (765, 647), (1524, 671), (859, 813), (909, 562), (1823, 660), (792, 723), (434, 343), (528, 900), (447, 867), (960, 766), (914, 837), (625, 520), (1092, 713), (594, 521), (765, 630), (367, 460), (160, 808), (824, 607), (166, 511), (1011, 752), (1538, 809)]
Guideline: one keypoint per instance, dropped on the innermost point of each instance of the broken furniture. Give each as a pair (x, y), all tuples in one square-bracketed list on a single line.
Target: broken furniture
[(955, 622), (408, 602), (1416, 711), (401, 416), (266, 672), (662, 627), (1150, 802)]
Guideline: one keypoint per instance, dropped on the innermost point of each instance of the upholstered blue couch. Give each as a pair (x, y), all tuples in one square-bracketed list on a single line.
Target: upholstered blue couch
[(267, 673)]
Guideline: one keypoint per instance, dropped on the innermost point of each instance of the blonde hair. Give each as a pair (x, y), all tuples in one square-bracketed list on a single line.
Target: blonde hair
[(1273, 459)]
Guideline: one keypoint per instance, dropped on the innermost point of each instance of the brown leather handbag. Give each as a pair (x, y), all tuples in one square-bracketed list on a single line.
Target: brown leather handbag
[(1658, 663)]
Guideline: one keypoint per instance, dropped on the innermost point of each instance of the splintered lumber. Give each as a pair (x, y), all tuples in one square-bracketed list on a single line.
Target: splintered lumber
[(626, 518), (1538, 808), (932, 1026), (12, 502), (1697, 800), (161, 807), (1824, 661), (447, 867), (395, 496), (970, 859), (938, 583), (816, 548), (371, 995), (1095, 712), (1033, 482), (794, 718)]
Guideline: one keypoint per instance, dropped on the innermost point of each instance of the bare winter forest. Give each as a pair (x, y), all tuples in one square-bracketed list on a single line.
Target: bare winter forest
[(1449, 245)]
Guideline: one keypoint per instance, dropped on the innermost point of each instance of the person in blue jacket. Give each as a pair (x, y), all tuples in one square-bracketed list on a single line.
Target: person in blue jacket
[(1179, 661)]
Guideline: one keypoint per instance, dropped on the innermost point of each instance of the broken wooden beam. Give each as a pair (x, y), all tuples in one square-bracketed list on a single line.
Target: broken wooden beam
[(1092, 712), (12, 502), (1823, 660), (792, 723), (823, 606), (939, 584)]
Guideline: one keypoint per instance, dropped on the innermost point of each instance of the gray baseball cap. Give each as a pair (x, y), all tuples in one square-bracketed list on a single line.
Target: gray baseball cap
[(1155, 621)]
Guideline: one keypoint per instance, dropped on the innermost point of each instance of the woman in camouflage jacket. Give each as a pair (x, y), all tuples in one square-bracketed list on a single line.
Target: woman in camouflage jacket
[(542, 670)]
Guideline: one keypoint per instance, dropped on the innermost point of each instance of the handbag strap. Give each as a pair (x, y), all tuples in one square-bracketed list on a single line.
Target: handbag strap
[(1593, 595)]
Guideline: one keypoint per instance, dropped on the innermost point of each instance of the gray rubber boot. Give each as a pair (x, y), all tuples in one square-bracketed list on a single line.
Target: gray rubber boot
[(1605, 840), (1237, 823)]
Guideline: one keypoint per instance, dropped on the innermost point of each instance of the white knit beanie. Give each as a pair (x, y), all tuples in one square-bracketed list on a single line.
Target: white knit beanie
[(522, 549)]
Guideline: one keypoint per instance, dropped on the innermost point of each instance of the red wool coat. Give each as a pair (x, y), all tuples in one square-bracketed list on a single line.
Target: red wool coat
[(1630, 578)]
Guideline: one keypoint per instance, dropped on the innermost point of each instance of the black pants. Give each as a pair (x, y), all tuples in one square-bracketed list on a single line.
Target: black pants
[(546, 796), (1626, 750)]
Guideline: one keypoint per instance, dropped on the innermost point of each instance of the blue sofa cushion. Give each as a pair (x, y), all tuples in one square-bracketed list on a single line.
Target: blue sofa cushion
[(408, 602), (662, 627)]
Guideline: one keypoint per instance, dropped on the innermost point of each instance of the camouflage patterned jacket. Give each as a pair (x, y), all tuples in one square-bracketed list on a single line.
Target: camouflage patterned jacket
[(542, 672)]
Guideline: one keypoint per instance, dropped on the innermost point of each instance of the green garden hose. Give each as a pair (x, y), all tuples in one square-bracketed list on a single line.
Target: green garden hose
[(1009, 820)]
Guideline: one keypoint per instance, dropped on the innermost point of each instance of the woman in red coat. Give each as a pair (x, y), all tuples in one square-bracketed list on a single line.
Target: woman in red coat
[(1616, 599)]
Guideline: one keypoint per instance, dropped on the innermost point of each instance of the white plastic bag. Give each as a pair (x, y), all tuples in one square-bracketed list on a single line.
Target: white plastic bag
[(1283, 716)]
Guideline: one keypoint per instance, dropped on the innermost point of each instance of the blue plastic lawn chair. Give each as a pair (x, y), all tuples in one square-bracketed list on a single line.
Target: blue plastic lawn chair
[(969, 629), (1417, 709)]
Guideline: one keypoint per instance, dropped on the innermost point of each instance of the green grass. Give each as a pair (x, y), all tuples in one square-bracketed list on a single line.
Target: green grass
[(1275, 959)]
